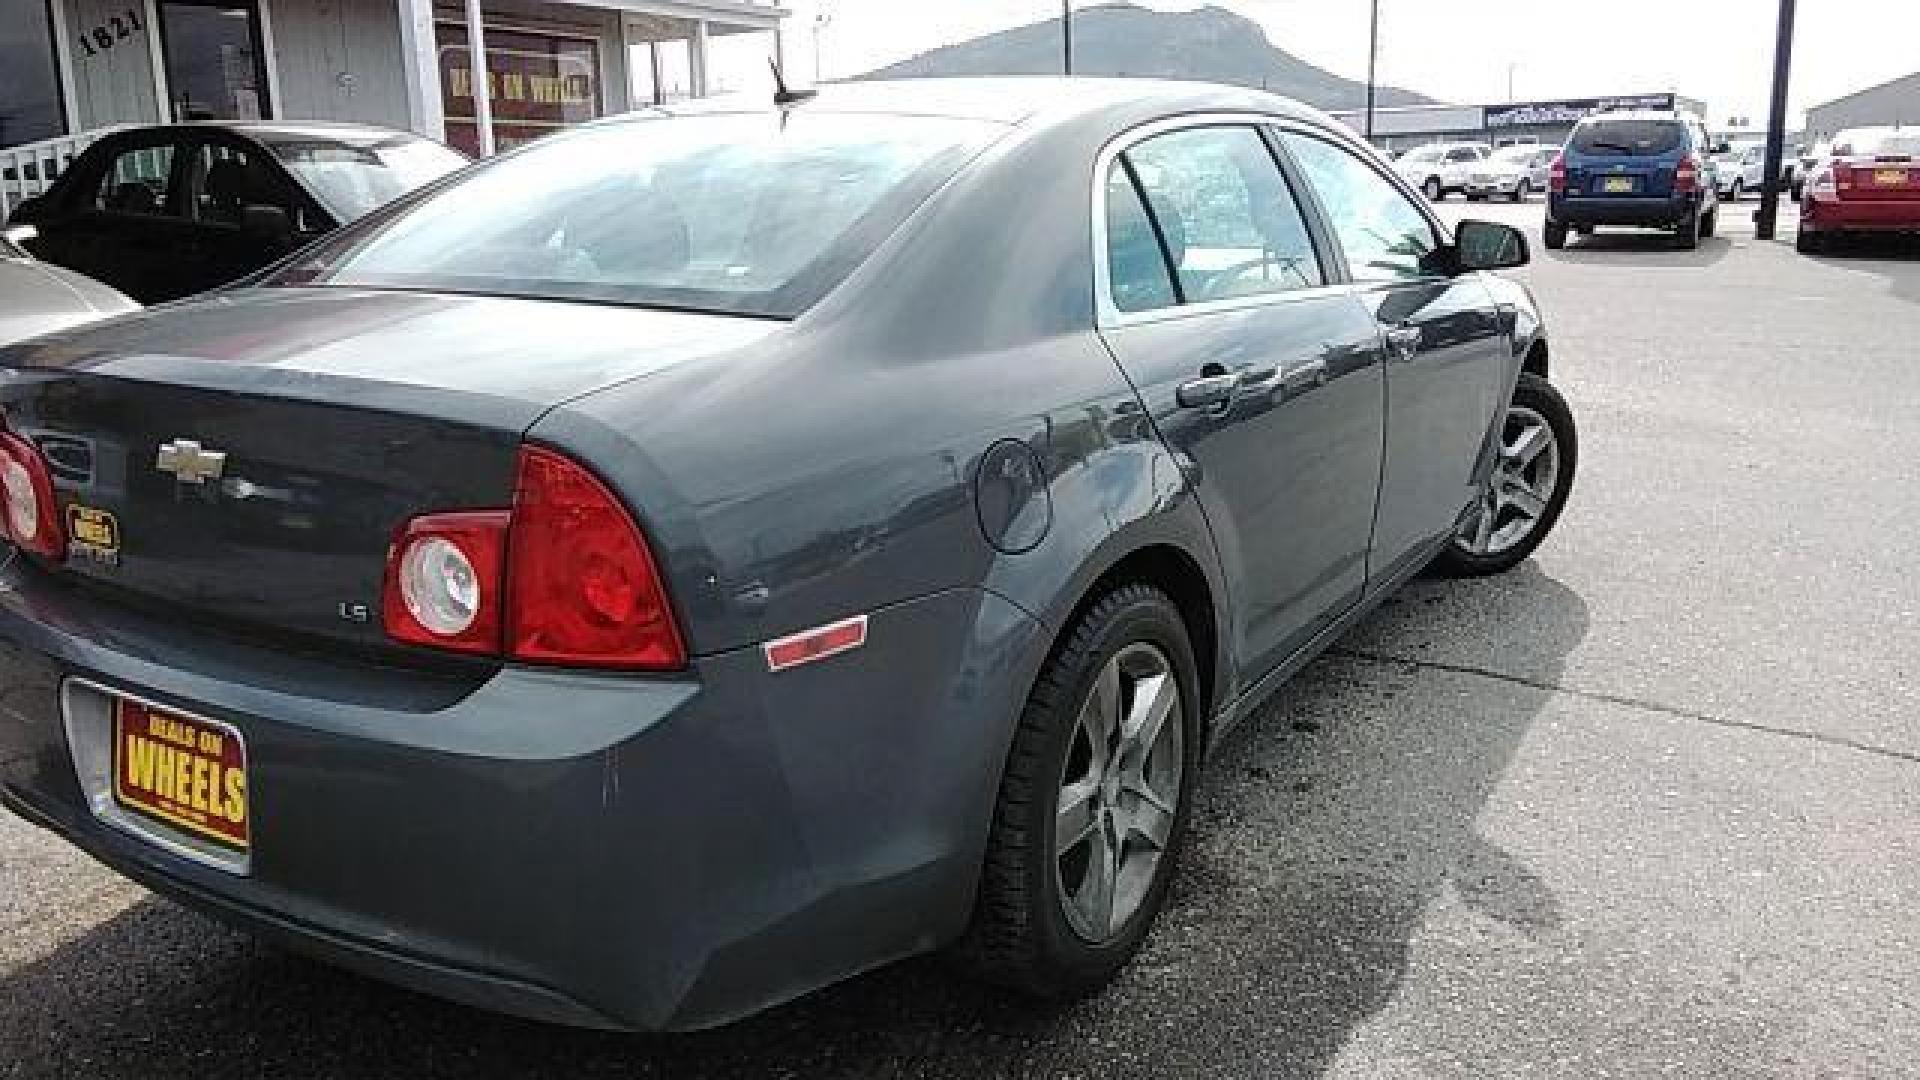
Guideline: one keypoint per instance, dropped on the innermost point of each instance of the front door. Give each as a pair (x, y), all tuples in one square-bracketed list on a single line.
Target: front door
[(1264, 376), (1449, 359)]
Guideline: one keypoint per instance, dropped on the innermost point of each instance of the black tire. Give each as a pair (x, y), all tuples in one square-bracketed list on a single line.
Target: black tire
[(1434, 190), (1739, 190), (1020, 936), (1475, 197), (1583, 230), (1810, 243), (1555, 234), (1521, 191), (1687, 236), (1537, 394), (1710, 224), (1799, 189)]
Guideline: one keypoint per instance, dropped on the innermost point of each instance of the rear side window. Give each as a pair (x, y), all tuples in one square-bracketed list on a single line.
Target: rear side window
[(1136, 266), (137, 181), (748, 214), (1628, 138), (1229, 221)]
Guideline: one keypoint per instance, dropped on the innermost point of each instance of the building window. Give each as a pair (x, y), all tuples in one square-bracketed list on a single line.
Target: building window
[(539, 83), (29, 84)]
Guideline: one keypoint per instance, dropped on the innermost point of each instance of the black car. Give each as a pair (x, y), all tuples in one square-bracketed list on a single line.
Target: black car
[(165, 212)]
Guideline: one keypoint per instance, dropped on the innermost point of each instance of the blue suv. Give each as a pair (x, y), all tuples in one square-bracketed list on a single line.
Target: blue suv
[(1650, 170)]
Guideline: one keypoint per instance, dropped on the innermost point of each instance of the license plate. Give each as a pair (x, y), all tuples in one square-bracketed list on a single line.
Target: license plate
[(1617, 185), (1890, 178), (186, 772)]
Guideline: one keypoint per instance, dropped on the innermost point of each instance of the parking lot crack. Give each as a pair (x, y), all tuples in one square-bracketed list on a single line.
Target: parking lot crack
[(1640, 704)]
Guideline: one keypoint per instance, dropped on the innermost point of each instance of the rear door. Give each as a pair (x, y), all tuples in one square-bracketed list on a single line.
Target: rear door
[(1448, 358), (124, 222), (225, 176), (1255, 363)]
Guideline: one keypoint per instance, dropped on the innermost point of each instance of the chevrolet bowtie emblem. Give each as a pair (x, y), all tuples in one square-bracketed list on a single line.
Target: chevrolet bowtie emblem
[(192, 465)]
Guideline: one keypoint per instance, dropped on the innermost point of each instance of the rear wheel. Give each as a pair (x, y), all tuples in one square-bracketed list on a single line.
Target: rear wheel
[(1739, 189), (1522, 500), (1807, 242), (1711, 223), (1687, 236), (1521, 191), (1093, 802), (1434, 190), (1555, 234)]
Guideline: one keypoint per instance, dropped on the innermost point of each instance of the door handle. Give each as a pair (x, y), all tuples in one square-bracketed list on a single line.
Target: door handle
[(1404, 341), (1208, 391)]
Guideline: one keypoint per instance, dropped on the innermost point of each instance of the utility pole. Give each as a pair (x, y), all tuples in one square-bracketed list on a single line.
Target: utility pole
[(1066, 36), (1373, 61), (1768, 216)]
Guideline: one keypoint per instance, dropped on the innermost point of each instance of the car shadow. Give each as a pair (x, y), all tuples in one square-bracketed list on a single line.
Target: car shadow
[(1327, 827), (1640, 248)]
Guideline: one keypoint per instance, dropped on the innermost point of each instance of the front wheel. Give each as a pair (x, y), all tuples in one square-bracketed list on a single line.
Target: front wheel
[(1093, 802), (1523, 498), (1687, 236)]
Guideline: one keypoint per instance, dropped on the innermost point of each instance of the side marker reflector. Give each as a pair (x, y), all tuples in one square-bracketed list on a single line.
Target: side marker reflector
[(816, 644)]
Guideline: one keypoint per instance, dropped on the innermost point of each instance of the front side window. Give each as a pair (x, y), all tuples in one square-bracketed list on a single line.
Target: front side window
[(222, 181), (1385, 236), (1228, 219), (749, 214), (137, 181)]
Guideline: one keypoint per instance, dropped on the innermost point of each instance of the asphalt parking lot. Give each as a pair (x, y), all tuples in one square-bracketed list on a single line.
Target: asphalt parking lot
[(1648, 806)]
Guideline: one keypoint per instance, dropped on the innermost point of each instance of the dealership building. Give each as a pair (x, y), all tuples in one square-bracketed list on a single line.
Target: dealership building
[(1399, 129), (1890, 103), (75, 67)]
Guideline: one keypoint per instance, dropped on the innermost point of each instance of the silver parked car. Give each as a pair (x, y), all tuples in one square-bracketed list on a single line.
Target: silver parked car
[(39, 298), (1513, 172)]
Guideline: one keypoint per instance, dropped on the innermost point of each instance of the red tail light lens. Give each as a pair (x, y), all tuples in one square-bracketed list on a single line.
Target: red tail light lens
[(1687, 177), (581, 585), (565, 577), (443, 584), (1557, 175), (32, 516), (1842, 176)]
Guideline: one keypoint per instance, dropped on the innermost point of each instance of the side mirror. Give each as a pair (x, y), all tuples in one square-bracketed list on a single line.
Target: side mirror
[(1487, 245), (271, 226), (21, 235)]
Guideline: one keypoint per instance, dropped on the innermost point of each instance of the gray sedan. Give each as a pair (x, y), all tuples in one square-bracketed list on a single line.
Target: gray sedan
[(39, 298), (704, 555)]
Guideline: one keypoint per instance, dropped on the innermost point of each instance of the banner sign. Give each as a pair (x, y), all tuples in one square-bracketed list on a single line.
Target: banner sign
[(1552, 113), (538, 82)]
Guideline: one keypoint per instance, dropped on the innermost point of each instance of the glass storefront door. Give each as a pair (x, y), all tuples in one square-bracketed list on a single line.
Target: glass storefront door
[(213, 62)]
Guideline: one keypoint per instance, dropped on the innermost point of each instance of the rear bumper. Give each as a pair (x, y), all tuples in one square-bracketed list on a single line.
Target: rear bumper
[(1495, 187), (1898, 215), (607, 851), (1664, 212)]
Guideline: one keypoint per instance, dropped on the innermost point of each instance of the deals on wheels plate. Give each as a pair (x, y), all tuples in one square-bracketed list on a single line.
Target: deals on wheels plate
[(185, 772)]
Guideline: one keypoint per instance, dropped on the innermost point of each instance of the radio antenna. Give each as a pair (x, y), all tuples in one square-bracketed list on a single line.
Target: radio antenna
[(783, 96)]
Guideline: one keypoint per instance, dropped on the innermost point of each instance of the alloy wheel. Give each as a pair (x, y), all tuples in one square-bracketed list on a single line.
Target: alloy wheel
[(1119, 792), (1521, 488)]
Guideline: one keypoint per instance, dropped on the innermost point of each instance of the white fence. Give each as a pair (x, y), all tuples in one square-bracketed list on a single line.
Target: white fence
[(26, 171)]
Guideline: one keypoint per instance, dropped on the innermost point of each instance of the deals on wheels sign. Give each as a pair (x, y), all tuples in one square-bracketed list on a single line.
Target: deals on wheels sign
[(538, 82)]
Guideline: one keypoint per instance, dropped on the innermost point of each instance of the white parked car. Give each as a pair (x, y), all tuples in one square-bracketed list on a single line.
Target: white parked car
[(1512, 173), (1442, 169), (39, 298), (1741, 168)]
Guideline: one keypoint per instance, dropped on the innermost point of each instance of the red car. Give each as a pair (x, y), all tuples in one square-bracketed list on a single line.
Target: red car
[(1870, 182)]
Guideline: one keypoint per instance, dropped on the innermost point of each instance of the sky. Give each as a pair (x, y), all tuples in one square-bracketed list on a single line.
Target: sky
[(1460, 50)]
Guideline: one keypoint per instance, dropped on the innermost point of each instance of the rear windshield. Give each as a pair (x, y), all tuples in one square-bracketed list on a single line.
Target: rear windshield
[(1627, 138), (758, 214), (1878, 144), (354, 179)]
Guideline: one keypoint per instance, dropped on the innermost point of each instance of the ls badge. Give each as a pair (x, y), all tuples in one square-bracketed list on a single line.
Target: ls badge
[(93, 533)]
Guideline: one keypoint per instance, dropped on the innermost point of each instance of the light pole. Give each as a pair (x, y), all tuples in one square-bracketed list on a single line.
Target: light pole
[(1066, 36), (1767, 216), (1373, 60), (821, 18)]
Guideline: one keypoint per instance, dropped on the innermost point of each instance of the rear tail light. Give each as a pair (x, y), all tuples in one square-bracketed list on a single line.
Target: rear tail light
[(564, 578), (1842, 177), (443, 581), (1687, 177), (1825, 184), (1557, 175), (32, 517)]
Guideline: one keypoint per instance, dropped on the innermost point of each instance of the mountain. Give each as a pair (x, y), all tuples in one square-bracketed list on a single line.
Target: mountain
[(1209, 43)]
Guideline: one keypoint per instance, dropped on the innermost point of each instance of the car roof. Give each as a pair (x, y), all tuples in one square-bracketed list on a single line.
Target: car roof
[(1010, 100), (277, 131)]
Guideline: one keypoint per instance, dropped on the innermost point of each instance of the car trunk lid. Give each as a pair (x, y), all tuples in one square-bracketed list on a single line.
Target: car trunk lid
[(339, 415)]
